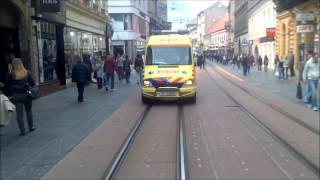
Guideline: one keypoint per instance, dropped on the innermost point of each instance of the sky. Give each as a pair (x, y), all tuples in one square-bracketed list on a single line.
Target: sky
[(181, 12)]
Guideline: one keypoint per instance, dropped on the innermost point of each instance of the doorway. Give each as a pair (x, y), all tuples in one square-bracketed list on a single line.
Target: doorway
[(9, 48), (117, 50)]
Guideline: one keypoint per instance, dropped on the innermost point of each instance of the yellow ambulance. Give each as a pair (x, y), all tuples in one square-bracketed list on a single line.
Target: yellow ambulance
[(169, 69)]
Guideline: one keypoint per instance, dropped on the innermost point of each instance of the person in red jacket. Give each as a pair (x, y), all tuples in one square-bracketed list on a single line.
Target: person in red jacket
[(109, 69)]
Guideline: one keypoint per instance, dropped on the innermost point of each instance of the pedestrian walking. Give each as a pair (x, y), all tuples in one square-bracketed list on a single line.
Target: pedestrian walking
[(259, 63), (276, 62), (18, 84), (286, 67), (224, 60), (234, 60), (250, 63), (238, 61), (119, 64), (291, 64), (245, 62), (88, 61), (81, 76), (109, 69), (127, 68), (281, 69), (7, 109), (265, 63), (311, 76), (203, 61), (138, 66), (98, 71)]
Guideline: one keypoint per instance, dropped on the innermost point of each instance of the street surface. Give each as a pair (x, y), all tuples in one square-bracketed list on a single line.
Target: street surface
[(79, 141)]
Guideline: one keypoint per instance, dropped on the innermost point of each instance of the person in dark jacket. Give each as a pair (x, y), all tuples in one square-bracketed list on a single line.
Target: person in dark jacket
[(138, 66), (291, 64), (127, 68), (265, 63), (259, 63), (80, 75), (109, 69), (245, 62), (18, 82)]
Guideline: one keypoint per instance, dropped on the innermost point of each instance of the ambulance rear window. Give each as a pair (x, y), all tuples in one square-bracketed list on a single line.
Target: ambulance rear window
[(168, 55)]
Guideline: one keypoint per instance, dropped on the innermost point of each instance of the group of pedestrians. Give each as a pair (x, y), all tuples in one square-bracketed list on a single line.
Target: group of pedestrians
[(283, 68), (104, 71)]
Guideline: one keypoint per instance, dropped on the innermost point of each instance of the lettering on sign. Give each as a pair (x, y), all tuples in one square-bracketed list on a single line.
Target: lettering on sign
[(168, 71), (50, 5), (305, 28)]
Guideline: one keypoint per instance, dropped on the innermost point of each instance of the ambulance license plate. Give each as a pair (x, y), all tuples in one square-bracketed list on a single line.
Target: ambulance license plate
[(170, 93)]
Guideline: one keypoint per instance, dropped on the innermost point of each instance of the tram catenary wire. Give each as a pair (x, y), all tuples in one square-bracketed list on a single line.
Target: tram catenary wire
[(181, 168), (313, 167)]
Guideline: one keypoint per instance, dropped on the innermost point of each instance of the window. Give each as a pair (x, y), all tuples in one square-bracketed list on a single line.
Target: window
[(168, 55), (127, 22), (117, 22)]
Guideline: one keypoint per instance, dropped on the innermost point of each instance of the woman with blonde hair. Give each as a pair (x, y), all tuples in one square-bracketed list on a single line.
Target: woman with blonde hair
[(18, 82)]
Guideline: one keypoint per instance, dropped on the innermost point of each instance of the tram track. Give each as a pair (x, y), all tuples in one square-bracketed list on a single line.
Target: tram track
[(294, 119), (293, 150), (180, 161)]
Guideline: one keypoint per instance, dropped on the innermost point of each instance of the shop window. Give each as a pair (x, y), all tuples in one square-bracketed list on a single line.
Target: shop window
[(48, 61)]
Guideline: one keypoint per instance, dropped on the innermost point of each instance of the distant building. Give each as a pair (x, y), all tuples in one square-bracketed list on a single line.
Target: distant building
[(130, 22), (261, 30), (297, 28), (205, 19), (231, 27), (241, 43), (192, 28), (217, 36), (85, 30), (157, 11)]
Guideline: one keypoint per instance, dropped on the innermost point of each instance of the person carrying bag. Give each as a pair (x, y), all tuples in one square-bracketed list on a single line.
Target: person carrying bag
[(21, 89)]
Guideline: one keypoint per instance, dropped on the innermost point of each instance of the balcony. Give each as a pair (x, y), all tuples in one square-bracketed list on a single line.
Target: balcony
[(282, 5), (89, 6)]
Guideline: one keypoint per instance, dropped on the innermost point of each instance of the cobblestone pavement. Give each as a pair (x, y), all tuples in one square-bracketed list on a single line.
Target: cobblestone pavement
[(61, 124)]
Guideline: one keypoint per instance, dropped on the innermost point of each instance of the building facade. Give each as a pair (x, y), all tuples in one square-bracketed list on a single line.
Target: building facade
[(157, 11), (297, 29), (15, 33), (130, 22), (261, 30), (85, 30), (192, 28), (241, 26), (231, 27), (217, 35), (205, 20), (33, 31)]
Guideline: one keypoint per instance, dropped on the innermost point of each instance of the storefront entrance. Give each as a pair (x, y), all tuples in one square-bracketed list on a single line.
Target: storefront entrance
[(9, 48)]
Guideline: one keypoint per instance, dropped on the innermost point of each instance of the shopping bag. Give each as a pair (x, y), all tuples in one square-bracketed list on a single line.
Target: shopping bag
[(299, 91), (277, 73)]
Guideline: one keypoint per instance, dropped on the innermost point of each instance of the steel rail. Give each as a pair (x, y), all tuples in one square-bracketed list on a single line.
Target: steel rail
[(313, 167), (182, 164), (118, 159), (296, 120)]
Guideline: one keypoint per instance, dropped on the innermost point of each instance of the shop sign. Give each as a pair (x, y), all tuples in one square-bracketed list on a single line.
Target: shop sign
[(305, 17), (305, 28), (50, 5), (270, 33)]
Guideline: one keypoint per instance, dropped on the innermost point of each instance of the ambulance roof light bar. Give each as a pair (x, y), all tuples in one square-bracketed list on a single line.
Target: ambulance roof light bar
[(166, 32)]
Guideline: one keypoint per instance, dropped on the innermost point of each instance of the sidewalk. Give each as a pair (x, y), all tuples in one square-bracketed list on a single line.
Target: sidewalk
[(61, 124), (268, 81)]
